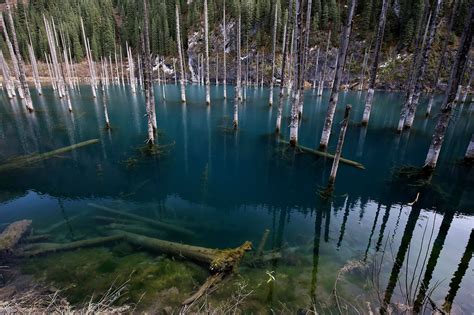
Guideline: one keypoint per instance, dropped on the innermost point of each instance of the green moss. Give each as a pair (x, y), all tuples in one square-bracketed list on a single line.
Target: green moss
[(91, 272)]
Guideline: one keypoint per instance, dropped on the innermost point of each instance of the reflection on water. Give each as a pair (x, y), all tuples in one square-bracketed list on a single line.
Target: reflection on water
[(228, 187)]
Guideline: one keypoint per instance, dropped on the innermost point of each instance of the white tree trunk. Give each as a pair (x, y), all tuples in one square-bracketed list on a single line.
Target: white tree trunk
[(337, 78), (340, 144), (224, 30), (206, 31), (316, 70), (322, 76), (180, 53), (238, 90), (272, 79), (283, 78)]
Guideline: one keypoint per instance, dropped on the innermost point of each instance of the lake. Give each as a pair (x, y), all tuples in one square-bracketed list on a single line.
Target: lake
[(228, 187)]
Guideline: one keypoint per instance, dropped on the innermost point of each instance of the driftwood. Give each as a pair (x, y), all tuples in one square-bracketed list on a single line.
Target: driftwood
[(327, 155), (44, 248), (13, 234), (57, 225), (26, 160), (155, 223)]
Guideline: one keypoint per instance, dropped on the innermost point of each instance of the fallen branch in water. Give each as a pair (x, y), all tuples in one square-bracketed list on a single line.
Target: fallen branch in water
[(326, 155), (12, 235), (44, 248), (155, 223), (26, 160)]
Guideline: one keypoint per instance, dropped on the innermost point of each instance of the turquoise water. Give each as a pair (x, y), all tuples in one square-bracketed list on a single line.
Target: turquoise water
[(228, 187)]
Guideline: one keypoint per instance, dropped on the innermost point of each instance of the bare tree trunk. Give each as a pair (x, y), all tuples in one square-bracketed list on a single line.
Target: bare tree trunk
[(9, 85), (238, 90), (316, 66), (281, 97), (304, 59), (362, 72), (257, 64), (375, 63), (420, 39), (89, 60), (340, 143), (468, 87), (298, 67), (469, 156), (272, 79), (224, 31), (206, 31), (180, 53), (341, 59), (16, 68), (322, 76), (442, 60), (149, 99), (217, 69), (418, 86), (21, 65), (448, 103)]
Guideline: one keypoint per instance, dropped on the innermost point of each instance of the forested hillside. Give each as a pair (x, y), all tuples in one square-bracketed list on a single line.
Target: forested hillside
[(114, 22)]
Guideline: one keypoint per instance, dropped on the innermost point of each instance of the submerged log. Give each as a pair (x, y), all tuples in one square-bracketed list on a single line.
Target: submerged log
[(23, 161), (155, 223), (12, 235), (44, 248), (327, 155), (219, 260)]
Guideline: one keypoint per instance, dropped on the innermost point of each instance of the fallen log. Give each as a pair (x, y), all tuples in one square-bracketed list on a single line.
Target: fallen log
[(155, 223), (44, 248), (218, 259), (26, 160), (12, 235), (326, 155)]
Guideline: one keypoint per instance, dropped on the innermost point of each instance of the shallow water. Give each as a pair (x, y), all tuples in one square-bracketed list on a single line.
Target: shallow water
[(228, 187)]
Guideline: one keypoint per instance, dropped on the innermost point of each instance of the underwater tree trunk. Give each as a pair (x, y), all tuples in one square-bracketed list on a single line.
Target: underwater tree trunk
[(469, 156), (423, 66), (206, 31), (449, 104), (341, 59), (375, 63), (322, 76), (272, 80), (224, 31), (340, 143), (442, 60), (281, 97), (180, 54), (12, 235), (21, 65)]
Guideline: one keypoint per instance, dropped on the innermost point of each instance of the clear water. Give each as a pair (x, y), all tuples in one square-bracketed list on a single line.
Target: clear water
[(228, 187)]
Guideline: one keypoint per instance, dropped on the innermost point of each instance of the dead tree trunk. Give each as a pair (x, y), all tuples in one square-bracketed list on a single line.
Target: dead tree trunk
[(238, 90), (281, 97), (442, 60), (9, 85), (316, 70), (206, 31), (149, 99), (420, 39), (272, 79), (341, 59), (375, 63), (322, 76), (180, 54), (298, 67), (304, 59), (449, 104), (419, 79), (340, 143), (224, 31), (362, 71), (469, 156), (11, 50)]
